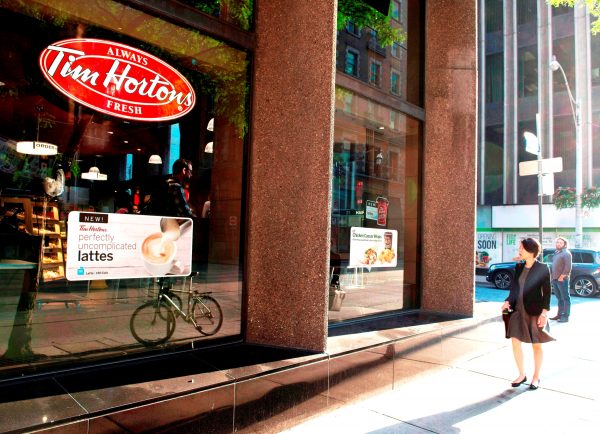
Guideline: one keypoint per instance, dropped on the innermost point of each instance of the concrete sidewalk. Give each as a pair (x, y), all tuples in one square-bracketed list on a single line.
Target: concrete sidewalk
[(472, 394)]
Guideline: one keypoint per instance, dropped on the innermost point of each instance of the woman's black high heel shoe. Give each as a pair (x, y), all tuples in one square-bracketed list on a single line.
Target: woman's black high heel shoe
[(518, 383), (534, 386)]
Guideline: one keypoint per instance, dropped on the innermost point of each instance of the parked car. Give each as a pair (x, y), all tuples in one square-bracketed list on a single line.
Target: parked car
[(585, 273)]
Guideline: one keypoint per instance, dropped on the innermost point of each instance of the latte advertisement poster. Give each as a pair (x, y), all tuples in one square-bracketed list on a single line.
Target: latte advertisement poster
[(373, 247), (119, 246)]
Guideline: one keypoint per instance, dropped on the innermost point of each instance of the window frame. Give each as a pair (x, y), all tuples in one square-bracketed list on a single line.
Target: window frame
[(354, 51), (398, 91), (380, 70)]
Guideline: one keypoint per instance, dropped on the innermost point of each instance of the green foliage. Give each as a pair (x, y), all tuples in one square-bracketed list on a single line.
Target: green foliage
[(565, 197), (363, 15), (241, 11), (591, 198), (593, 7)]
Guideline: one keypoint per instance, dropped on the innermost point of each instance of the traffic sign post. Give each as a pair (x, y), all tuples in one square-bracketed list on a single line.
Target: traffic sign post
[(543, 168)]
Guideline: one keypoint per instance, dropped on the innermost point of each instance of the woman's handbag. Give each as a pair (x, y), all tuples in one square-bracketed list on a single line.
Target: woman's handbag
[(506, 313)]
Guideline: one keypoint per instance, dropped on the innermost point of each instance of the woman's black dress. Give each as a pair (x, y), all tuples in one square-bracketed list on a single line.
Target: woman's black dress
[(523, 326)]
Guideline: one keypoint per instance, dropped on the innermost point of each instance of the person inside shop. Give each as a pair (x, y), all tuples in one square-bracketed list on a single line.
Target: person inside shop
[(123, 203), (561, 271), (170, 198), (529, 302), (177, 202)]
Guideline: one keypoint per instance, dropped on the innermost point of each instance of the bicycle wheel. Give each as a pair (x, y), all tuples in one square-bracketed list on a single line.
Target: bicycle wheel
[(152, 323), (207, 315)]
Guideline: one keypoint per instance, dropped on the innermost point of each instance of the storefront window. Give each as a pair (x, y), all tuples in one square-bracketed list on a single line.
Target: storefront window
[(153, 98), (375, 209)]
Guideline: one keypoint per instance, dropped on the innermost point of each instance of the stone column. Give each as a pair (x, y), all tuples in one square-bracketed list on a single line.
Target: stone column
[(450, 156), (290, 154)]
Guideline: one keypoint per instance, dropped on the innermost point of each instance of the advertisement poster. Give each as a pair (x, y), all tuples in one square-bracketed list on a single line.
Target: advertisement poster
[(118, 246), (488, 249), (373, 247)]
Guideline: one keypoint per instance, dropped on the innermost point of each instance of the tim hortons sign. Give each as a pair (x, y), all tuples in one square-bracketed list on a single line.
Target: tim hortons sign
[(117, 79)]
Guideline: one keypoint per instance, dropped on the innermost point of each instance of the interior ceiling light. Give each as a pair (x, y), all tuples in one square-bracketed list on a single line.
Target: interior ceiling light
[(209, 148), (211, 125), (94, 174), (36, 148), (155, 159)]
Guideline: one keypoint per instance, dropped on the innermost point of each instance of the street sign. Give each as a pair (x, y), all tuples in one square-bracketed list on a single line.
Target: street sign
[(548, 184), (532, 144), (547, 165)]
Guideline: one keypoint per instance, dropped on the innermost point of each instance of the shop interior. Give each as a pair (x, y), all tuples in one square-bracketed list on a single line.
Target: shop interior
[(58, 155)]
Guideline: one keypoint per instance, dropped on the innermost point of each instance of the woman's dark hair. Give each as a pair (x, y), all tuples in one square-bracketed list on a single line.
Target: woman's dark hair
[(532, 246)]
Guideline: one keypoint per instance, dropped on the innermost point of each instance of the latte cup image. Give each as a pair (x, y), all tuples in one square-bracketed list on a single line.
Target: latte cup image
[(158, 255)]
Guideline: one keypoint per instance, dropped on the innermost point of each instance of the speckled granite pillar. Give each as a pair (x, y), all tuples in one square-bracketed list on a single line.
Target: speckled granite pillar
[(450, 151), (289, 174)]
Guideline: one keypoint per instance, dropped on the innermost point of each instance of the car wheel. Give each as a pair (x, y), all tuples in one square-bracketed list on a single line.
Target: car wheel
[(583, 286), (502, 279)]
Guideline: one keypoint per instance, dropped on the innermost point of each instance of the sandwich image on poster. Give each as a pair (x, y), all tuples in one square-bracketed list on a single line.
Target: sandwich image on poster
[(373, 247), (119, 246)]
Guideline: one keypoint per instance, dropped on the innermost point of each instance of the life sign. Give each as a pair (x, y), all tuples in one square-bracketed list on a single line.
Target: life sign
[(117, 79)]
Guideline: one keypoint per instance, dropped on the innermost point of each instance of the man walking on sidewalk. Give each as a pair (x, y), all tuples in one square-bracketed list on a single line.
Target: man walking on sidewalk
[(561, 271)]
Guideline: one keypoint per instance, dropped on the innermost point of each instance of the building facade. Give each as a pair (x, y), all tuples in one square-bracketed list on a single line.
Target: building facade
[(318, 168), (518, 42)]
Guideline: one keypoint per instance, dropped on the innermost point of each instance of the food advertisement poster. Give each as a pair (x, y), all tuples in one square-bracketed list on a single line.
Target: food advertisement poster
[(118, 246), (373, 247)]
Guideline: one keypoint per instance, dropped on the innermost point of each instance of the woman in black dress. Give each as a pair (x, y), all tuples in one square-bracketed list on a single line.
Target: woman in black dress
[(529, 299)]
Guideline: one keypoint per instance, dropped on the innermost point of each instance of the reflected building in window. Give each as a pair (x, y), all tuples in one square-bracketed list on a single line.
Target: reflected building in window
[(518, 41)]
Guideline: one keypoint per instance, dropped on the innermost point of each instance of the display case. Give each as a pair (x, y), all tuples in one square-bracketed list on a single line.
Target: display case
[(49, 226), (19, 208)]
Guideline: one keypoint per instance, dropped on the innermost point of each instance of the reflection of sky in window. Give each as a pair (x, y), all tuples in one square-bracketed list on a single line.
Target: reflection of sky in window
[(174, 146)]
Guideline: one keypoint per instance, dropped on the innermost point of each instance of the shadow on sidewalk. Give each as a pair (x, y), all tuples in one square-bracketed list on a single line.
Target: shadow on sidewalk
[(445, 421)]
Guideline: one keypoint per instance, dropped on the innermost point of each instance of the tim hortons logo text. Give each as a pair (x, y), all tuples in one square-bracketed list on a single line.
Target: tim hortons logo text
[(117, 79)]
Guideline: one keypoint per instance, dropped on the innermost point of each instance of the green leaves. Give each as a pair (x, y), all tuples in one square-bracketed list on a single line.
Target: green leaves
[(565, 197), (363, 15), (593, 7)]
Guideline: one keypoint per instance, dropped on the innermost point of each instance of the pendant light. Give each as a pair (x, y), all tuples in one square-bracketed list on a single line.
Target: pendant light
[(155, 159), (36, 147), (94, 174)]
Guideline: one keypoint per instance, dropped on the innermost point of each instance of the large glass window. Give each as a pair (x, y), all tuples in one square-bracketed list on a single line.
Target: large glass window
[(111, 164), (528, 71), (494, 165), (375, 208), (493, 15), (494, 78), (526, 11)]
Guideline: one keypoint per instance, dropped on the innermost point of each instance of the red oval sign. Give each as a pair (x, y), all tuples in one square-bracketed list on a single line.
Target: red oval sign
[(117, 79)]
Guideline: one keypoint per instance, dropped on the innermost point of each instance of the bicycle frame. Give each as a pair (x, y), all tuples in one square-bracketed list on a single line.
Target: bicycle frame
[(191, 295)]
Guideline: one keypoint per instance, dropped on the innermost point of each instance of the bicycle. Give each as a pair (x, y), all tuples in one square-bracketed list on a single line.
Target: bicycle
[(153, 322)]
